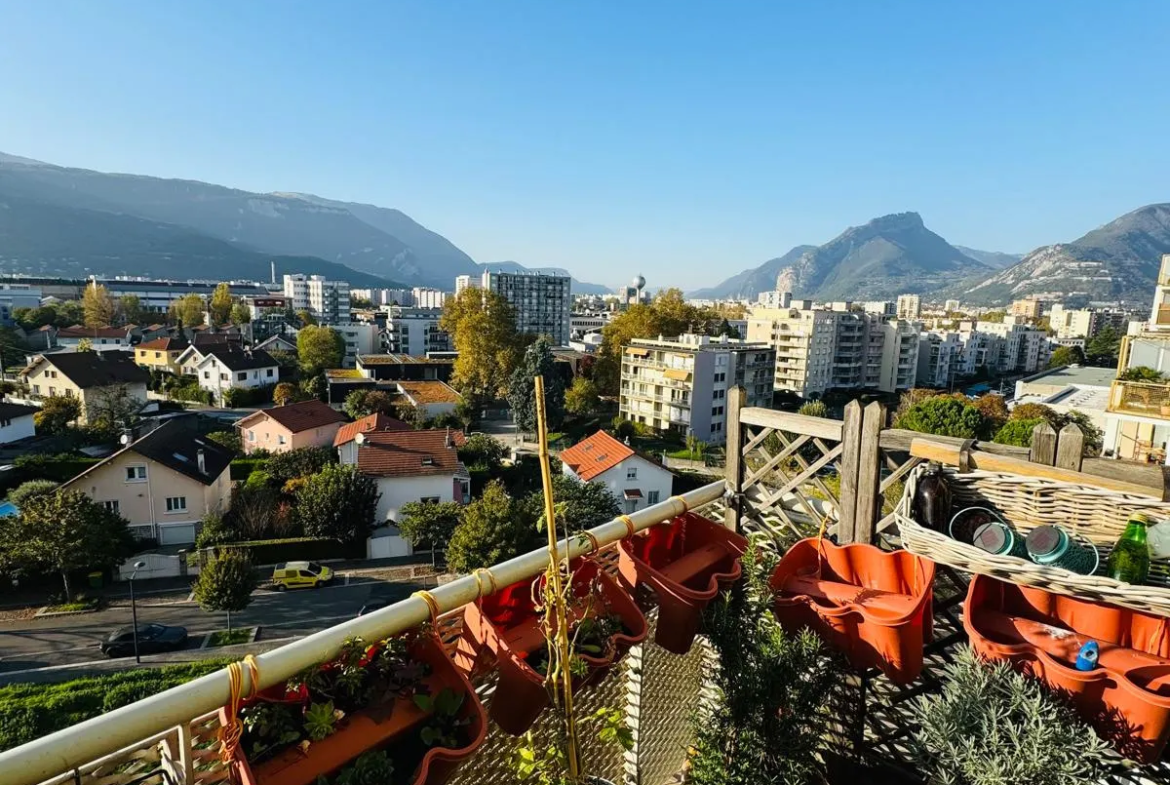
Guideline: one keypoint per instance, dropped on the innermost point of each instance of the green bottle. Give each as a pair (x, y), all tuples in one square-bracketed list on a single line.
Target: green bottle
[(1130, 560)]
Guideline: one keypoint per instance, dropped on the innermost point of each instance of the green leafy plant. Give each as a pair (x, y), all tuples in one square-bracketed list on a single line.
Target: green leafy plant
[(371, 768), (270, 726), (444, 725), (992, 726), (321, 720)]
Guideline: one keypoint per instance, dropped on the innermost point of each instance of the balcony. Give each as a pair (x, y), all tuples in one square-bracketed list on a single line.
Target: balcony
[(1140, 398)]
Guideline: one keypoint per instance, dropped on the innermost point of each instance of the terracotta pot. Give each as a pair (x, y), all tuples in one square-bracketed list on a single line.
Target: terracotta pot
[(686, 562), (507, 624), (1126, 698), (359, 733), (870, 604)]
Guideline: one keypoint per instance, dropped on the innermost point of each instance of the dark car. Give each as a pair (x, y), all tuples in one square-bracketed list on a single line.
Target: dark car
[(152, 638)]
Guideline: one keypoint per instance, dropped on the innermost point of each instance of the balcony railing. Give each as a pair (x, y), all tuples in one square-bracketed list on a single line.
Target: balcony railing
[(1141, 398)]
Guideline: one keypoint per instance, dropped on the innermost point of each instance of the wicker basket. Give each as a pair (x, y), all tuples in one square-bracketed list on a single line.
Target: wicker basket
[(1025, 503)]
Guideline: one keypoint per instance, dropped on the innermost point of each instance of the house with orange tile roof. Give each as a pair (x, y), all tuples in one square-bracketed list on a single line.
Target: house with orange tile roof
[(636, 480), (290, 427), (345, 442)]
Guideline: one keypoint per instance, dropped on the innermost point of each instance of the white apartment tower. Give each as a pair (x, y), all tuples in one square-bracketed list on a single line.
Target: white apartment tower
[(327, 301), (543, 302), (681, 384), (465, 282), (909, 306)]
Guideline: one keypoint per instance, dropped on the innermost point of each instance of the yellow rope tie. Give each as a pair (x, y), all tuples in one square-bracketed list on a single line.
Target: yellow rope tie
[(630, 528), (681, 500), (232, 730), (431, 602), (491, 581)]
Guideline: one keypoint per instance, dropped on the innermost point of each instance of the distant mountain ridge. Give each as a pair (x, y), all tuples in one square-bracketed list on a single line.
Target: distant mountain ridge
[(1117, 261), (888, 256), (995, 259)]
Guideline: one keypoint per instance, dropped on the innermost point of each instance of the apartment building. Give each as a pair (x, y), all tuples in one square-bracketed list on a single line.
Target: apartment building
[(1021, 348), (380, 297), (360, 338), (680, 384), (1029, 308), (1084, 322), (414, 331), (939, 355), (909, 306), (466, 282), (425, 297), (327, 301), (951, 306), (543, 301), (774, 299)]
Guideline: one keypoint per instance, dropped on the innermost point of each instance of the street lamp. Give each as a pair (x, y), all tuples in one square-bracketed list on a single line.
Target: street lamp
[(138, 565)]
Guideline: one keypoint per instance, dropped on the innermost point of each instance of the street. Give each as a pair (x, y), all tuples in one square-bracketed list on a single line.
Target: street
[(62, 640)]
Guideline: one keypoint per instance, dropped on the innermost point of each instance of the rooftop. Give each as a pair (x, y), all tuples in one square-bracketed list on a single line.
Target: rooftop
[(237, 359), (410, 453), (1085, 375), (165, 344), (77, 331), (595, 455), (401, 359), (690, 342), (94, 369), (373, 423), (301, 416), (429, 392), (177, 444)]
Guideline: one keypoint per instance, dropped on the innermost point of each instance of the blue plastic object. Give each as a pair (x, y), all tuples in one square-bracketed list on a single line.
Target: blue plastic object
[(1088, 655)]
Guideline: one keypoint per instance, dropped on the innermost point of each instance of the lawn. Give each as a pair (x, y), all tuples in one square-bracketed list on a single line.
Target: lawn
[(225, 638), (79, 605)]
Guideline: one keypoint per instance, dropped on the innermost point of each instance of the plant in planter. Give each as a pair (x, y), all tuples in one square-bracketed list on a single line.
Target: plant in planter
[(371, 768), (992, 726), (770, 722)]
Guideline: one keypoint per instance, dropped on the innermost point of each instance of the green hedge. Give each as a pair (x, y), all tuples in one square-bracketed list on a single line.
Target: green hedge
[(242, 468), (298, 549), (59, 468), (29, 711), (248, 396)]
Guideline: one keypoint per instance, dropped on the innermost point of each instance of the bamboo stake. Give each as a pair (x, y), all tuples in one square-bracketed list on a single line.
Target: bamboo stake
[(557, 604)]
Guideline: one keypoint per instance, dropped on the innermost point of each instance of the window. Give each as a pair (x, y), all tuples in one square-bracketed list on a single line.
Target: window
[(176, 504), (112, 506), (280, 438), (652, 497), (716, 411), (223, 377), (632, 473), (251, 436), (52, 391), (37, 389), (206, 375), (135, 474), (268, 373), (242, 375)]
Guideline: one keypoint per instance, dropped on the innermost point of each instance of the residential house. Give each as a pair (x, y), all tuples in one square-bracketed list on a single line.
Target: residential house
[(40, 339), (432, 397), (408, 466), (634, 479), (164, 483), (277, 343), (287, 428), (345, 440), (405, 367), (161, 354), (152, 331), (88, 376), (98, 338), (16, 422), (224, 367)]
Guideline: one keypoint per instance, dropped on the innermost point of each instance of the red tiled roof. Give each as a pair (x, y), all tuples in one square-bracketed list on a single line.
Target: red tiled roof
[(594, 455), (409, 453), (165, 344), (375, 422), (302, 416)]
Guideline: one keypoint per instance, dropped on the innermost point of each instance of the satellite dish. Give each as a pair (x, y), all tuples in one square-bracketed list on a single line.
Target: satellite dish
[(124, 438), (360, 439)]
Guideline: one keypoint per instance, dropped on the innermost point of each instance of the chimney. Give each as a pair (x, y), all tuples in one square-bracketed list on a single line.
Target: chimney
[(201, 461), (448, 439)]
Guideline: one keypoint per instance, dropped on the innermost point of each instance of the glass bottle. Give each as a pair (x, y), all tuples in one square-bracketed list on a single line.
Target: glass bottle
[(1130, 560), (932, 499)]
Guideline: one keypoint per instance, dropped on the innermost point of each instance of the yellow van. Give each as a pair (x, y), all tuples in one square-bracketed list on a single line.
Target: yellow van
[(300, 574)]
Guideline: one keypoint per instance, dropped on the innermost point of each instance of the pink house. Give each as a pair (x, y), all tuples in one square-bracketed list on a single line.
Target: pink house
[(287, 428)]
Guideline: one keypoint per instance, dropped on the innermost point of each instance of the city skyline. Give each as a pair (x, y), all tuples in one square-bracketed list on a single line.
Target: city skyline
[(670, 144)]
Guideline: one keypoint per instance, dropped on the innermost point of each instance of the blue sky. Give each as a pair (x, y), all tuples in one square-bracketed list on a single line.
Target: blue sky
[(686, 141)]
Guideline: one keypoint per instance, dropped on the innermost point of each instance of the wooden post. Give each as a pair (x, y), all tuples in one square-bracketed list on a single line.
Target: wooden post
[(850, 463), (869, 474), (736, 397), (1043, 449), (1070, 447)]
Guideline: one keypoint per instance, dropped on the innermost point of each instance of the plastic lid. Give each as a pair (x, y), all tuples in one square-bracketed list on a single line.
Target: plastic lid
[(991, 537), (1043, 540)]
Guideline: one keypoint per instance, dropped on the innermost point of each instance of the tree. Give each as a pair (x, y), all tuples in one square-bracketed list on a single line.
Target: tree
[(113, 408), (315, 387), (1103, 349), (814, 409), (943, 416), (13, 348), (1141, 373), (994, 410), (493, 528), (131, 309), (229, 440), (669, 314), (482, 452), (68, 313), (240, 314), (30, 488), (363, 403), (85, 345), (429, 523), (98, 306), (285, 393), (300, 462), (64, 532), (580, 505), (582, 397), (538, 361), (57, 412), (1066, 355), (993, 316), (319, 348), (482, 326), (220, 308), (305, 318), (226, 583), (338, 502), (1017, 432), (187, 311)]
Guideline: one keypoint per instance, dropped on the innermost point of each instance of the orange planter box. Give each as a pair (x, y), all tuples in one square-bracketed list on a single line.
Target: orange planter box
[(359, 733), (686, 562), (870, 604), (507, 624), (1126, 698)]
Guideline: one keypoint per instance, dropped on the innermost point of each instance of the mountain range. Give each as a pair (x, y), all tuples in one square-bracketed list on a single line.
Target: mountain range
[(58, 220), (897, 254)]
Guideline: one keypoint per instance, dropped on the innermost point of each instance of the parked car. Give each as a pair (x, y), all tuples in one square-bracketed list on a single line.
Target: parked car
[(300, 575), (152, 638)]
